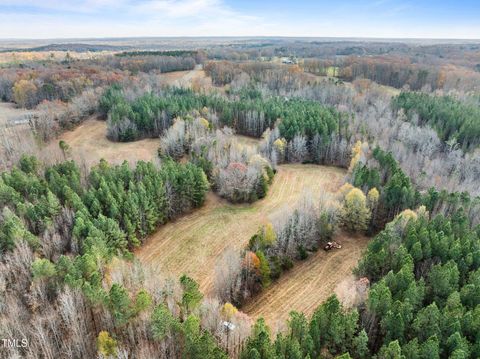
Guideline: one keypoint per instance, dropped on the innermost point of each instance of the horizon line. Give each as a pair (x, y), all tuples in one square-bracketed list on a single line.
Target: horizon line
[(236, 37)]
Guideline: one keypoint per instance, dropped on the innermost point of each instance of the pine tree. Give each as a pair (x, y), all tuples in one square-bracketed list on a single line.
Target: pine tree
[(259, 345), (163, 322), (427, 322), (43, 268), (392, 351), (119, 303), (192, 296), (143, 300)]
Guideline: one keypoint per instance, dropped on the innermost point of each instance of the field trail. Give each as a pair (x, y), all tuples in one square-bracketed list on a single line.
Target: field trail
[(310, 282), (193, 243)]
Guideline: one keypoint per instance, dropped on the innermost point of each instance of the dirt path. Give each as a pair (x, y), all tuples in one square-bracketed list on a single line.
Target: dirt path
[(189, 78), (193, 243), (309, 283)]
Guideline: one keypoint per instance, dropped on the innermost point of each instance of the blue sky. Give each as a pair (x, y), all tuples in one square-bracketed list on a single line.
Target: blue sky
[(339, 18)]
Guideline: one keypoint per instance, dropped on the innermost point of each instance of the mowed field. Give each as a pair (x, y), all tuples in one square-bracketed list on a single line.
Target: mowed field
[(193, 243), (88, 144), (311, 282)]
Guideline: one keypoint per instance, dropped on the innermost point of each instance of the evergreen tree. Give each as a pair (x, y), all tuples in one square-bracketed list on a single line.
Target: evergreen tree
[(258, 345), (192, 296)]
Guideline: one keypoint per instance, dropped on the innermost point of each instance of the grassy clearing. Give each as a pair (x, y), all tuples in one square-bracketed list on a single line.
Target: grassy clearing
[(88, 145), (310, 282), (193, 243)]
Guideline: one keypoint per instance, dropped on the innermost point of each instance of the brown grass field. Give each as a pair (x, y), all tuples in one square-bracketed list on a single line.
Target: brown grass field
[(310, 282), (193, 243), (89, 144)]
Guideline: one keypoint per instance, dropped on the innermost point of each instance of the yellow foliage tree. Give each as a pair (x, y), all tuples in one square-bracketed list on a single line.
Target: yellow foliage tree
[(107, 346), (280, 144), (204, 122), (23, 93), (400, 222), (422, 212), (355, 213), (346, 187), (269, 234), (229, 310), (408, 214), (372, 198), (357, 151)]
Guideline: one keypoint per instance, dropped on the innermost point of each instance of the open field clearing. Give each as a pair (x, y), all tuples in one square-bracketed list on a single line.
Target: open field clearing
[(88, 141), (89, 144), (9, 114), (310, 282), (193, 243)]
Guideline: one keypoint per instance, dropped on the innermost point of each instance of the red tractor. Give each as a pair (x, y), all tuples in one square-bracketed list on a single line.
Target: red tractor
[(332, 245)]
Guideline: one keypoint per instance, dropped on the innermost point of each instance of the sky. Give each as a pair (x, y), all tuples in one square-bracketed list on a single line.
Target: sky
[(447, 19)]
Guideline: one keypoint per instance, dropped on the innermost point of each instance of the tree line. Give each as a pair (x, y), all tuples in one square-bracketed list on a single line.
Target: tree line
[(135, 62), (379, 169), (423, 303), (61, 227), (457, 123), (402, 72), (150, 115), (238, 173), (30, 85)]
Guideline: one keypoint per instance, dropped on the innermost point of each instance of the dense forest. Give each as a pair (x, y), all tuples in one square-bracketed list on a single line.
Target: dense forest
[(454, 121), (423, 302), (60, 230), (149, 115), (401, 120)]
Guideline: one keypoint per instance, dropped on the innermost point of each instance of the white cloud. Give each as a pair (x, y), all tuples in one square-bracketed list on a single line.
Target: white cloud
[(105, 18), (123, 18), (173, 8), (182, 8), (74, 6)]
